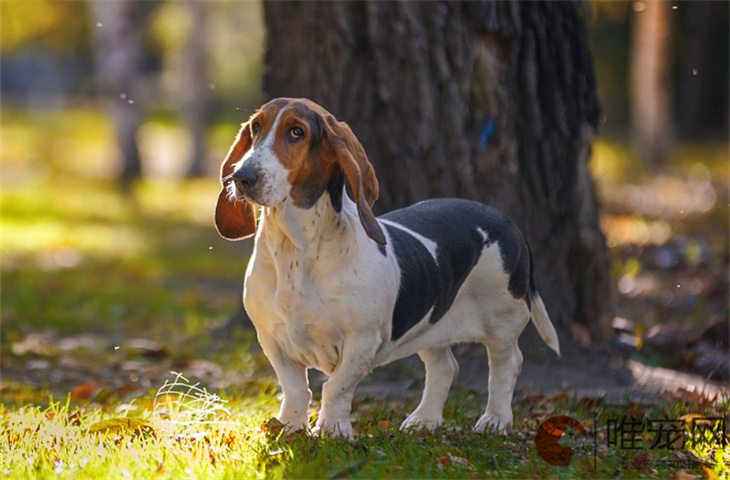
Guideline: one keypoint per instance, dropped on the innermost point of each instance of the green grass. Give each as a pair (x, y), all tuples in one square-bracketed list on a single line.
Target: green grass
[(235, 439), (122, 264), (81, 257)]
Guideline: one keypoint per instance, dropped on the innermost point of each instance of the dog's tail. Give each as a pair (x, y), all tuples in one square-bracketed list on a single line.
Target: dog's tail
[(539, 314)]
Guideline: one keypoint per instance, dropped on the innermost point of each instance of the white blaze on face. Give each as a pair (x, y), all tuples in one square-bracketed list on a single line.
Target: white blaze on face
[(272, 187)]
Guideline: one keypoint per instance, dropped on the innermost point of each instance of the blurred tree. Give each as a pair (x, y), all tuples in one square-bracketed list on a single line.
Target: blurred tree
[(197, 99), (119, 59), (702, 69), (649, 82), (493, 101)]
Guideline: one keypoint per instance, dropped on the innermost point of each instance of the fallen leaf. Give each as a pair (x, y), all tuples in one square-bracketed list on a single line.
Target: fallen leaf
[(160, 471), (640, 462), (634, 411), (85, 391), (272, 427), (708, 474), (560, 397), (126, 389), (682, 475), (74, 419)]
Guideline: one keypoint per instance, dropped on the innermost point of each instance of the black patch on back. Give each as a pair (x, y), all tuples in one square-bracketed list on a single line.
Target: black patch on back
[(452, 224), (419, 282)]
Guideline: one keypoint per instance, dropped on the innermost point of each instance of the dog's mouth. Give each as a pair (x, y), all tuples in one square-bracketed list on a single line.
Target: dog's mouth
[(237, 194)]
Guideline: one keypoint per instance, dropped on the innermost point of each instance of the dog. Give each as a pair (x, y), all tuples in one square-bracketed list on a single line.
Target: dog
[(329, 286)]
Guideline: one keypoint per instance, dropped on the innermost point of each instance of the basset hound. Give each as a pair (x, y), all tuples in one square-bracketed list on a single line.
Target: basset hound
[(331, 287)]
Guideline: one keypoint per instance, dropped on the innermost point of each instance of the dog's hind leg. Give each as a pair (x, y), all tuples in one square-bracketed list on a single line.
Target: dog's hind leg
[(505, 364), (441, 370)]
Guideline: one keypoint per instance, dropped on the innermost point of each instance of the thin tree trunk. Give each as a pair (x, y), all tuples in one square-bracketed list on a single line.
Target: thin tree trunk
[(649, 90), (198, 97), (493, 101), (119, 65)]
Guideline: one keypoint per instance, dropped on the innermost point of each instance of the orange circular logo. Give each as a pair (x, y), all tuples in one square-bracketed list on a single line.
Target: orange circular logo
[(548, 435)]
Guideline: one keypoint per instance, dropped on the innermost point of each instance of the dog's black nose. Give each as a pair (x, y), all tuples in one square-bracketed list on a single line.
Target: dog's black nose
[(246, 177)]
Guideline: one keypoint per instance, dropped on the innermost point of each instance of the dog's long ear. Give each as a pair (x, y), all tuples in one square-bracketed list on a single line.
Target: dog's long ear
[(234, 219), (350, 155)]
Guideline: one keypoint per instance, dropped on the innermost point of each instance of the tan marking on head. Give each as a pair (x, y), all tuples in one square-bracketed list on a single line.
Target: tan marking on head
[(298, 146), (265, 117)]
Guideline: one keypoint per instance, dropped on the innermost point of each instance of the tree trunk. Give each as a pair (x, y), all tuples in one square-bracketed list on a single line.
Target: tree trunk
[(651, 127), (197, 100), (119, 61), (493, 101)]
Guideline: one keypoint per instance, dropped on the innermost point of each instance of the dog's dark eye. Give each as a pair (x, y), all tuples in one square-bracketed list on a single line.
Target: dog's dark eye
[(295, 133), (255, 127)]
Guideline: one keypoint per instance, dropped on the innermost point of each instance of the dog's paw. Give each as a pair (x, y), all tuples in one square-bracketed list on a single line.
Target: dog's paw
[(491, 422), (418, 422), (337, 428), (294, 424)]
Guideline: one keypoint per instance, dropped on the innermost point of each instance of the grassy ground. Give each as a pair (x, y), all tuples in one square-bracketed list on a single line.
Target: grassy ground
[(106, 293), (187, 432)]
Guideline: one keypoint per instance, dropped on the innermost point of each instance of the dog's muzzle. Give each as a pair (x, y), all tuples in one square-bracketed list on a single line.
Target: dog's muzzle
[(245, 178)]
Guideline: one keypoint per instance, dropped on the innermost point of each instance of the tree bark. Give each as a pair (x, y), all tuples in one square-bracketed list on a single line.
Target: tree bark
[(493, 101)]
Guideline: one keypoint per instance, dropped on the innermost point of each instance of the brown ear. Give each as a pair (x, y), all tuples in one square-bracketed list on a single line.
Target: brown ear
[(234, 219), (350, 156)]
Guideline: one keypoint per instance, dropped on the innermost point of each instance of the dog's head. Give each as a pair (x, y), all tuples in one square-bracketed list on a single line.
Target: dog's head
[(292, 150)]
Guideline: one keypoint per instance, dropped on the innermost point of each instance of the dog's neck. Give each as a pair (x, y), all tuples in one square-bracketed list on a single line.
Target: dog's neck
[(311, 234)]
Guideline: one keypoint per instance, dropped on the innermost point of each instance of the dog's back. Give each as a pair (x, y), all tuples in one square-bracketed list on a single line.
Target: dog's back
[(459, 230)]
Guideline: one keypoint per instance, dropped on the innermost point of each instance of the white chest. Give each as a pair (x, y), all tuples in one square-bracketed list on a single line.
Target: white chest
[(309, 301)]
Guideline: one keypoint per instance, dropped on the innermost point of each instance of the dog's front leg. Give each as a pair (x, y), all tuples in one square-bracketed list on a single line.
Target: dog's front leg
[(337, 392), (294, 385)]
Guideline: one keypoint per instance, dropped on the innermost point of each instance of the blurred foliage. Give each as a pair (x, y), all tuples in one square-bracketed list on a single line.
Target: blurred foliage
[(79, 254), (31, 30), (61, 27), (235, 46), (667, 232)]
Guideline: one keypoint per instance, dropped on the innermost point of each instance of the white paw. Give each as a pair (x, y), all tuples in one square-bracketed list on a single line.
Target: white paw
[(419, 422), (490, 422), (334, 427), (294, 423)]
